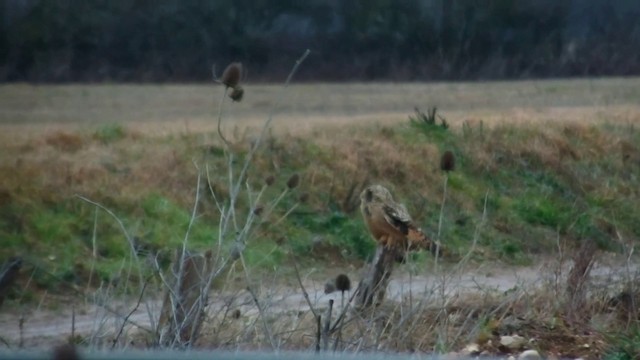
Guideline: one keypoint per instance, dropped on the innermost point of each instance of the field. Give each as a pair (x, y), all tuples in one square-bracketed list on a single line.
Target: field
[(95, 180)]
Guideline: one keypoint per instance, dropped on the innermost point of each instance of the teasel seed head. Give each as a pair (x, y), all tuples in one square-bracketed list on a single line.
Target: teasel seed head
[(257, 211), (237, 93), (293, 181), (329, 286), (236, 314), (269, 180), (343, 283), (447, 161), (232, 75)]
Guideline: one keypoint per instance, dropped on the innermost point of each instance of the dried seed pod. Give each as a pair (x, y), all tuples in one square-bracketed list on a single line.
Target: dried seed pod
[(237, 93), (258, 210), (232, 75), (329, 287), (343, 283), (448, 161), (293, 181), (236, 314), (269, 180)]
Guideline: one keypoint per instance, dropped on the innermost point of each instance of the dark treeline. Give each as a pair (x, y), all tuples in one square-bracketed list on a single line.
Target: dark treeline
[(179, 40)]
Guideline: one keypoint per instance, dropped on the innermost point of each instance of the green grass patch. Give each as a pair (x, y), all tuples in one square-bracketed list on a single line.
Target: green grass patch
[(109, 133), (340, 231), (537, 210), (624, 346)]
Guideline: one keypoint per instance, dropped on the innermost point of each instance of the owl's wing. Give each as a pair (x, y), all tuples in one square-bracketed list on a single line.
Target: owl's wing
[(398, 217)]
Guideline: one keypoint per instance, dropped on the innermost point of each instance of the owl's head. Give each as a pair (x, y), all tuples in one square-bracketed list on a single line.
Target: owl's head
[(375, 193)]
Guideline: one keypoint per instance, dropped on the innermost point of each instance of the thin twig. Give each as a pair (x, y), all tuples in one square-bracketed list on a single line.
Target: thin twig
[(339, 336), (438, 241), (264, 319), (115, 217), (94, 252), (344, 310), (319, 333), (194, 210), (126, 318), (122, 227), (304, 291), (5, 342), (476, 233), (21, 329), (286, 214), (73, 322), (231, 211), (213, 194), (224, 95), (327, 324)]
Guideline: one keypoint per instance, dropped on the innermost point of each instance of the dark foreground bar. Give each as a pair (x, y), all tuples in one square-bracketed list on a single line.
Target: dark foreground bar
[(210, 355)]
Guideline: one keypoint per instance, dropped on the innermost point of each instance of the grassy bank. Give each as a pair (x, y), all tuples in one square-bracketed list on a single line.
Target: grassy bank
[(539, 186)]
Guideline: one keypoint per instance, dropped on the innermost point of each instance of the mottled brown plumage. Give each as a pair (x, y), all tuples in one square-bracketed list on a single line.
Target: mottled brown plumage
[(390, 223)]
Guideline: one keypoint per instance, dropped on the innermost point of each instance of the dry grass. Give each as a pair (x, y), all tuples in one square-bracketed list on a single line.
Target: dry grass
[(28, 109), (421, 323), (67, 163)]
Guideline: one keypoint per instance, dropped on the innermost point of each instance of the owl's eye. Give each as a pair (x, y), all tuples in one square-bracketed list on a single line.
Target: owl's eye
[(368, 195)]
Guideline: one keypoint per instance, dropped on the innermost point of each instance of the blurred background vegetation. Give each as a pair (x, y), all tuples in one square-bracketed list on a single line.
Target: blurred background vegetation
[(161, 41)]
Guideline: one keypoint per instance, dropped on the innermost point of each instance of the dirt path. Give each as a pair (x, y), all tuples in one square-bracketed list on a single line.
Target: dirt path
[(43, 328)]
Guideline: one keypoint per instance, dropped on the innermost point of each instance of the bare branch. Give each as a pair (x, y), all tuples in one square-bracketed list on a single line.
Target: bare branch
[(126, 318), (304, 291)]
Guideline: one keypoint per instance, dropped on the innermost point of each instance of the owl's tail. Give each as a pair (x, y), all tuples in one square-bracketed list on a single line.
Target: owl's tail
[(416, 239)]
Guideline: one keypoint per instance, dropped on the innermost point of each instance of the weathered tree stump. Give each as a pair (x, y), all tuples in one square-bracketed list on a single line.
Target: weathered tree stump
[(373, 286), (183, 308), (576, 281)]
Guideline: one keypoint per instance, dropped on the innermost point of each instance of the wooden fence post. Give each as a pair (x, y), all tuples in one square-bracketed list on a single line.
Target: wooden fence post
[(373, 286)]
